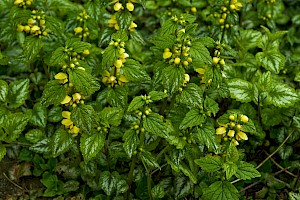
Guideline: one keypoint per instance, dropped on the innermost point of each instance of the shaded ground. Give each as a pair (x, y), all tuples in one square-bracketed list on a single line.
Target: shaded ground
[(16, 181)]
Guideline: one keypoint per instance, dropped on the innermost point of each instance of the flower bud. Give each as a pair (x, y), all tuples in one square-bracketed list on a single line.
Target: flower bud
[(244, 118), (242, 135), (130, 6), (117, 6)]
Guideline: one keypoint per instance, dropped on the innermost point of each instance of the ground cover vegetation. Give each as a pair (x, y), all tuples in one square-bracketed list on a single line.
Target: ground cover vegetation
[(149, 99)]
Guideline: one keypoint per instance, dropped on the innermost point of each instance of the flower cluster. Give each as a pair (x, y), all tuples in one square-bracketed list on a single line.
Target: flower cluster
[(119, 6), (68, 123), (185, 81), (23, 3), (82, 31), (115, 75), (35, 25), (112, 22), (233, 130), (179, 54)]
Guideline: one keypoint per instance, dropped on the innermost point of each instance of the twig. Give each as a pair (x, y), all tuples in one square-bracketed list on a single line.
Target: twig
[(12, 182), (270, 156), (280, 167)]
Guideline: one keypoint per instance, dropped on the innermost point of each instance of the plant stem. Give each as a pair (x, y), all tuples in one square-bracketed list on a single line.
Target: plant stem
[(130, 175), (149, 184)]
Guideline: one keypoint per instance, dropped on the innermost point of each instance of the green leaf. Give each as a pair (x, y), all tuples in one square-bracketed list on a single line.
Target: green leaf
[(294, 196), (173, 78), (53, 93), (183, 167), (156, 95), (282, 96), (285, 152), (2, 151), (221, 190), (14, 125), (3, 90), (60, 142), (206, 135), (200, 53), (39, 115), (58, 56), (265, 82), (209, 163), (249, 127), (112, 183), (18, 92), (211, 106), (271, 116), (77, 45), (131, 142), (134, 71), (84, 83), (83, 116), (31, 48), (191, 95), (230, 169), (117, 96), (55, 114), (34, 135), (168, 27), (246, 171), (148, 159), (91, 145), (248, 39), (165, 41), (136, 103), (192, 118), (271, 60), (120, 35), (124, 19), (241, 90), (154, 124), (158, 192), (110, 55), (112, 115)]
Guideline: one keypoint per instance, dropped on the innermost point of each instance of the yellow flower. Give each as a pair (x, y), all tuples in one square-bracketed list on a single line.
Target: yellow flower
[(244, 118), (20, 28), (200, 70), (231, 133), (76, 97), (130, 6), (66, 114), (61, 77), (241, 135), (118, 6), (67, 122), (66, 100), (86, 52), (132, 26), (118, 63), (122, 79), (221, 130), (18, 2), (167, 54), (78, 30), (75, 130)]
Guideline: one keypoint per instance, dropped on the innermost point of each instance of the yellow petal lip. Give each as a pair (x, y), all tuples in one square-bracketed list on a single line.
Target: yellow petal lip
[(167, 54), (66, 122), (76, 97), (220, 130), (67, 99), (200, 70), (231, 133), (123, 79), (66, 114), (242, 135), (61, 76), (75, 130)]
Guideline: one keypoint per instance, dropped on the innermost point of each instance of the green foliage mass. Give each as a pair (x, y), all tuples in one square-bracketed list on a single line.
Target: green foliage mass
[(150, 99)]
